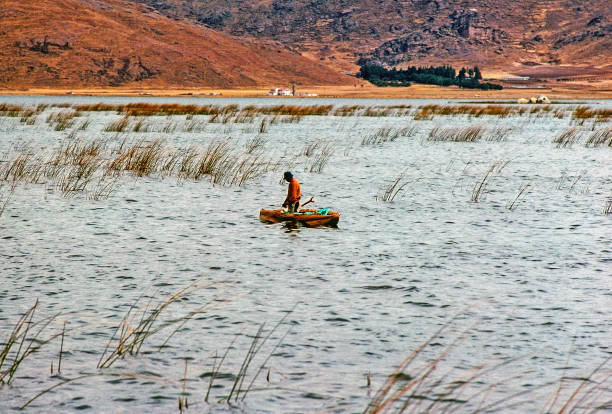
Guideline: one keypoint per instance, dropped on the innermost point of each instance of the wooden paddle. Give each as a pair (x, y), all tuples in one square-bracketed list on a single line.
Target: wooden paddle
[(309, 201)]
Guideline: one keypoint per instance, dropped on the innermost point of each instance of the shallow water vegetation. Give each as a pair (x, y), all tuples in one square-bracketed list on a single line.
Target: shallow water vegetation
[(25, 339), (601, 137), (472, 133), (389, 191), (608, 206), (481, 187), (568, 137), (599, 115), (388, 134), (139, 324), (427, 385), (321, 158), (62, 120)]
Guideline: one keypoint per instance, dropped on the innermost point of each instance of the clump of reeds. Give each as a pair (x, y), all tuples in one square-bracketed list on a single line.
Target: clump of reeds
[(257, 343), (311, 147), (376, 111), (602, 137), (585, 112), (140, 159), (254, 144), (427, 112), (471, 133), (567, 138), (498, 134), (385, 134), (62, 120), (119, 125), (388, 134), (5, 197), (24, 340), (431, 387), (348, 110), (12, 111)]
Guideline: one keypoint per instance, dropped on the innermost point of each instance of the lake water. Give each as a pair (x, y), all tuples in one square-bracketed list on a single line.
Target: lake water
[(529, 285)]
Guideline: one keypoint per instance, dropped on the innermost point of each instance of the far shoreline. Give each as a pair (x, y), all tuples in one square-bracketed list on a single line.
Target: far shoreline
[(360, 91)]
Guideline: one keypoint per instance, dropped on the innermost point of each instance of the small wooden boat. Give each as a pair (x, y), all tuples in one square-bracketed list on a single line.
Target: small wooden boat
[(308, 217)]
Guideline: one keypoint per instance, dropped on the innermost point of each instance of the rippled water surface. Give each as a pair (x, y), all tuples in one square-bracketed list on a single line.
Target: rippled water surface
[(531, 283)]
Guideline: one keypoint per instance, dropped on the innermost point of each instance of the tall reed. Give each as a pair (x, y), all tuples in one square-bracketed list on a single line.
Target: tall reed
[(481, 185), (24, 340), (389, 191), (138, 325)]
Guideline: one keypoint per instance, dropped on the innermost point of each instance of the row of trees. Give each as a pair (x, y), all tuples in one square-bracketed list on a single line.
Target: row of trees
[(432, 75)]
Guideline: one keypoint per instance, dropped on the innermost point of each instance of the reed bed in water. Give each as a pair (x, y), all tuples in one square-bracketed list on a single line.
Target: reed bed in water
[(93, 167), (567, 138), (427, 111), (471, 133), (585, 112), (425, 381), (61, 120), (602, 137), (388, 134)]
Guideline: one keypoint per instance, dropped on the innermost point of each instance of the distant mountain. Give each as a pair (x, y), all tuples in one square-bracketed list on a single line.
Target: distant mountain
[(86, 43), (506, 34)]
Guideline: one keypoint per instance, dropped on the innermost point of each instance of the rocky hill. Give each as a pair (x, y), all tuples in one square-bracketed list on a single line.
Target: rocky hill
[(85, 43), (504, 34)]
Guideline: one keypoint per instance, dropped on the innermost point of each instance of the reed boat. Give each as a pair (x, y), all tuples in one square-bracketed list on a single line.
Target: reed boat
[(307, 217)]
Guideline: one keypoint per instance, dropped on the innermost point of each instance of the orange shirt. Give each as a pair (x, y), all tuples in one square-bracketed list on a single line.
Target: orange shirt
[(293, 192)]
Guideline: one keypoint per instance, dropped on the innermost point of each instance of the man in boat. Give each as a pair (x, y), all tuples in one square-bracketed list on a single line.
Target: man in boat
[(292, 202)]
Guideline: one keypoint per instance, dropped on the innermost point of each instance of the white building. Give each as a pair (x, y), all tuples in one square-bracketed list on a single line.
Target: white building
[(279, 92)]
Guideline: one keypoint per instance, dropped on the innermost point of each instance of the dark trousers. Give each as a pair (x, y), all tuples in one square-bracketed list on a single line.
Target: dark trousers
[(293, 207)]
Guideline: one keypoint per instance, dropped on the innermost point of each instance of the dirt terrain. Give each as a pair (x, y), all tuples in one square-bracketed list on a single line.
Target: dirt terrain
[(557, 47), (111, 43)]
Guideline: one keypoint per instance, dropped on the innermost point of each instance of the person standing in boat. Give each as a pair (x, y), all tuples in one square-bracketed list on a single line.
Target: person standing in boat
[(292, 202)]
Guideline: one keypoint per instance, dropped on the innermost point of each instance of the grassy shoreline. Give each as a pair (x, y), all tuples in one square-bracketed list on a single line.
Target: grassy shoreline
[(360, 90)]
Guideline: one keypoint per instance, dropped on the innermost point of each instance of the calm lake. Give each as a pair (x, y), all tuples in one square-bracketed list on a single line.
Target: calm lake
[(501, 243)]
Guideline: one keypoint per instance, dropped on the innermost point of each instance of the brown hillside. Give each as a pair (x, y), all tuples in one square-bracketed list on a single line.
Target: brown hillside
[(96, 43), (495, 34)]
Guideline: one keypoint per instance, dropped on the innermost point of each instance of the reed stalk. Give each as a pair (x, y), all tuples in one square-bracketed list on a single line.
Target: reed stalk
[(479, 189), (137, 326), (24, 340)]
